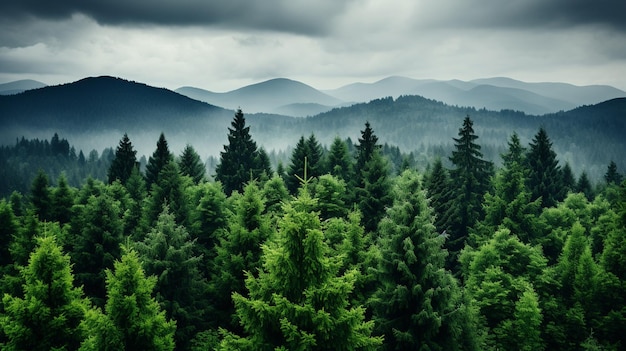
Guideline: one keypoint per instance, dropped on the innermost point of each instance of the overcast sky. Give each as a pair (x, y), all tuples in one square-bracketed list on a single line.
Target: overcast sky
[(221, 45)]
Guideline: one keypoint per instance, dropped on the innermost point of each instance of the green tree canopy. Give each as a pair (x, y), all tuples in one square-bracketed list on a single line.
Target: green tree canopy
[(191, 165), (124, 162), (544, 178), (160, 157)]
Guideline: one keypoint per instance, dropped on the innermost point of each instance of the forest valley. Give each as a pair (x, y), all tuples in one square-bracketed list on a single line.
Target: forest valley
[(342, 248)]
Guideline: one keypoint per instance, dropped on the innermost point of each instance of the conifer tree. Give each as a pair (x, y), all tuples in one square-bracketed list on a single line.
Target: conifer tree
[(368, 143), (307, 152), (48, 315), (418, 305), (167, 189), (545, 176), (132, 318), (62, 201), (124, 162), (40, 196), (160, 157), (437, 184), (238, 251), (97, 244), (298, 301), (526, 326), (136, 187), (584, 186), (168, 254), (567, 177), (612, 176), (263, 164), (191, 165), (239, 160), (8, 229), (275, 193), (470, 179), (375, 195), (339, 161), (330, 193)]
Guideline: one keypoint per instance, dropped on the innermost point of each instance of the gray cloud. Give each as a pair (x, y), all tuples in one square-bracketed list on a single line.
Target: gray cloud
[(296, 16), (527, 13)]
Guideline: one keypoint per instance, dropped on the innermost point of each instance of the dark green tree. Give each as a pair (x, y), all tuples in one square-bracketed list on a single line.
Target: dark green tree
[(375, 196), (470, 179), (275, 193), (264, 166), (9, 226), (124, 162), (238, 251), (62, 201), (307, 152), (437, 184), (167, 253), (167, 189), (48, 315), (191, 165), (584, 186), (339, 161), (544, 179), (136, 187), (568, 179), (368, 144), (239, 160), (97, 242), (418, 305), (160, 157), (612, 176), (132, 318), (40, 196), (298, 301)]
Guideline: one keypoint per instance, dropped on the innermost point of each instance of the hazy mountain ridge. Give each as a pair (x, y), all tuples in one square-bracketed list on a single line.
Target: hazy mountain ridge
[(94, 113), (19, 86), (269, 96)]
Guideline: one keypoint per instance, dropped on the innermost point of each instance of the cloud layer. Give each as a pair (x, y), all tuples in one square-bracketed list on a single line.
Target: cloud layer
[(221, 44)]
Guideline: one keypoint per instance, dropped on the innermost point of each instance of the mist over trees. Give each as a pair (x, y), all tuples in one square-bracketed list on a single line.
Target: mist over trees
[(353, 246)]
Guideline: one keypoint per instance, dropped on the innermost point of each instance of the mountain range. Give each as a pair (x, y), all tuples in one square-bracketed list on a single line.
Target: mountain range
[(19, 86), (94, 113), (293, 98)]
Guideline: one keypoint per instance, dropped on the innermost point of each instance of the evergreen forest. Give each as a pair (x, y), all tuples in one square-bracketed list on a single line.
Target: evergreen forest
[(349, 246)]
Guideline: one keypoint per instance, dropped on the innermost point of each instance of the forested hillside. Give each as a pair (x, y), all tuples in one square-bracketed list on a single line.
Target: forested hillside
[(343, 247)]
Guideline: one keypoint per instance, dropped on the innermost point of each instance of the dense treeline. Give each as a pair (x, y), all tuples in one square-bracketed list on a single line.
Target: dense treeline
[(345, 248)]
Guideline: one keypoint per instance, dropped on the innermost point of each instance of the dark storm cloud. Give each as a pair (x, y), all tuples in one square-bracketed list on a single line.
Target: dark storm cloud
[(531, 14), (297, 16)]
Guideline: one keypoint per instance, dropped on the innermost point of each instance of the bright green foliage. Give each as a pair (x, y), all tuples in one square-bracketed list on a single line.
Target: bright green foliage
[(339, 161), (168, 253), (124, 163), (612, 176), (40, 196), (526, 325), (132, 319), (191, 165), (97, 244), (160, 157), (544, 179), (298, 301), (169, 190), (48, 315), (239, 162), (418, 304), (497, 274), (307, 151), (275, 193), (238, 251), (375, 195), (330, 193), (437, 185), (470, 182), (62, 201)]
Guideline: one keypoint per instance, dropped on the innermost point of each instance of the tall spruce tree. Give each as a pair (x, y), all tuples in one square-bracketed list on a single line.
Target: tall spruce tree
[(544, 179), (418, 305), (160, 157), (340, 163), (191, 165), (612, 176), (62, 198), (375, 195), (437, 184), (167, 189), (307, 152), (168, 254), (298, 301), (239, 160), (238, 251), (368, 144), (40, 196), (124, 162), (48, 314), (132, 318), (470, 179)]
